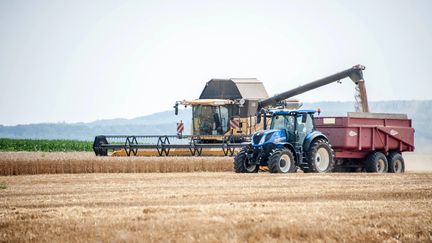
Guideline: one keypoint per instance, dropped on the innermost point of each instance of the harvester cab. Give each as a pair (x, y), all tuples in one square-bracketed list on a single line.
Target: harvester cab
[(210, 116), (292, 141), (226, 108)]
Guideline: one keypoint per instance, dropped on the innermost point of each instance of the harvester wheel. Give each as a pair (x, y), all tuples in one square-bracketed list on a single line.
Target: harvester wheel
[(376, 162), (241, 163), (321, 157), (281, 161), (396, 163)]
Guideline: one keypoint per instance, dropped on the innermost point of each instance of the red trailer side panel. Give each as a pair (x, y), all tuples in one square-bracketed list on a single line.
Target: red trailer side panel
[(357, 134)]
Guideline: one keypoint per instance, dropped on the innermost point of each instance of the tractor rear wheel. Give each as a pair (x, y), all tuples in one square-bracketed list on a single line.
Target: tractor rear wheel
[(396, 163), (281, 161), (376, 162), (242, 163), (320, 157)]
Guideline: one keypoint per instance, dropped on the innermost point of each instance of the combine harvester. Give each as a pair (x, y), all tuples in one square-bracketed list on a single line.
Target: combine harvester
[(225, 115), (229, 111)]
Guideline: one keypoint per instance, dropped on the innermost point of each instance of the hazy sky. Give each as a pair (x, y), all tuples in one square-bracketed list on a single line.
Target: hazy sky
[(86, 60)]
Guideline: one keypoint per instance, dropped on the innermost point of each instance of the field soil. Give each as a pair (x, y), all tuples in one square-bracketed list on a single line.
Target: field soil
[(216, 207)]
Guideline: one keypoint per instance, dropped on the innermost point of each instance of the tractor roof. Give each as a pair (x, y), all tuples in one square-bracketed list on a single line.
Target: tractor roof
[(234, 88)]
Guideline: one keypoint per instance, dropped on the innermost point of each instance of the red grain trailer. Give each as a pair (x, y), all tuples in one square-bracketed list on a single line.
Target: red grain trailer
[(369, 141)]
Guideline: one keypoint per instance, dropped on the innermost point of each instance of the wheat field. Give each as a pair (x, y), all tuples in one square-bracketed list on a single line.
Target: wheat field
[(31, 163), (216, 207)]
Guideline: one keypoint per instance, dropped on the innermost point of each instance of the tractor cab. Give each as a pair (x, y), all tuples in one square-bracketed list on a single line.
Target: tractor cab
[(296, 124), (287, 126)]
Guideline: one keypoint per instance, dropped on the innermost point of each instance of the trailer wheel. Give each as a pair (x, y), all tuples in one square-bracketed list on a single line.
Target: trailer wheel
[(281, 161), (376, 162), (320, 157), (396, 163), (241, 163)]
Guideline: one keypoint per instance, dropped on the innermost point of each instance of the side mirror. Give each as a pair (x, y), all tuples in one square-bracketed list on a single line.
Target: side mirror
[(176, 109)]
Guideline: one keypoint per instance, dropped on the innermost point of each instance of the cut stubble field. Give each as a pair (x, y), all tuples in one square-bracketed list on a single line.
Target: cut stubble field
[(216, 206)]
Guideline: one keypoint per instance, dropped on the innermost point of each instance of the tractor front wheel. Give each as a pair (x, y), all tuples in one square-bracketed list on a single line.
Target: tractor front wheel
[(320, 157), (281, 161), (242, 163)]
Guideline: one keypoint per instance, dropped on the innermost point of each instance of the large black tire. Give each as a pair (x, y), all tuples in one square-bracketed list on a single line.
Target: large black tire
[(376, 162), (281, 161), (320, 157), (241, 163), (396, 163)]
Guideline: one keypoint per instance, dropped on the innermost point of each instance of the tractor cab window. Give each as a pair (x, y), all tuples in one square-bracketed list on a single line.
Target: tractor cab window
[(283, 122), (210, 120), (304, 126)]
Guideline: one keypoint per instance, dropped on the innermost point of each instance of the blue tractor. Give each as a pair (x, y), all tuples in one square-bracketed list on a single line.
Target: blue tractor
[(292, 141)]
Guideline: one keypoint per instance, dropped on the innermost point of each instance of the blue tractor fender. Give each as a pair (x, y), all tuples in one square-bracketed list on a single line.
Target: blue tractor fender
[(311, 137), (288, 146)]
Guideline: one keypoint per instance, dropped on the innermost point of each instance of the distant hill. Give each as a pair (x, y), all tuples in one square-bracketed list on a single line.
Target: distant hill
[(163, 123)]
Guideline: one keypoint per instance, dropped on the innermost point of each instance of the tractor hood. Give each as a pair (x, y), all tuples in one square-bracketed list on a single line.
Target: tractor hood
[(269, 136)]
